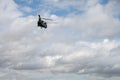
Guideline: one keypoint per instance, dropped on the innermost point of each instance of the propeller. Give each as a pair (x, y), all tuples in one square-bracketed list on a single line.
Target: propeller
[(52, 22), (47, 19)]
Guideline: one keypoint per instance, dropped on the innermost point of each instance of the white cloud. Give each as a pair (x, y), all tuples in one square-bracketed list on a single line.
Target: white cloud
[(94, 23), (113, 7), (9, 12), (67, 5), (26, 9), (90, 58), (63, 47)]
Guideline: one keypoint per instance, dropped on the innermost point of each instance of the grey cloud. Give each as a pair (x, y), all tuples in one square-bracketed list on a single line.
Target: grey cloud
[(62, 4), (113, 7), (87, 60), (60, 49)]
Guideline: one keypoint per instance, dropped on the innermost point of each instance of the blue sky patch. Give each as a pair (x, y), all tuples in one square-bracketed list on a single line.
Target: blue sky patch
[(103, 2)]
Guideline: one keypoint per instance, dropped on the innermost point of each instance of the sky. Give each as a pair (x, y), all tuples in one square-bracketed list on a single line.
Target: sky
[(83, 44)]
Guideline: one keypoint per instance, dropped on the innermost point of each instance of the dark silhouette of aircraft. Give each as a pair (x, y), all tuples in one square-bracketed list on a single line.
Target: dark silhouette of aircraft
[(41, 23)]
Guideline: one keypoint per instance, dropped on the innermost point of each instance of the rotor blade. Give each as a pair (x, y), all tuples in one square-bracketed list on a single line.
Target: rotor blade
[(47, 19), (52, 22)]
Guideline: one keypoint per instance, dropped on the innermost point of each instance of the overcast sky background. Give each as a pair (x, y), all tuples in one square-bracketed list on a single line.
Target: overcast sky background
[(84, 44)]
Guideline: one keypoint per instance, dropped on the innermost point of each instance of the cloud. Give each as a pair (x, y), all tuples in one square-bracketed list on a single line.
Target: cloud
[(78, 4), (83, 44), (113, 7), (9, 12), (94, 23), (98, 58)]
